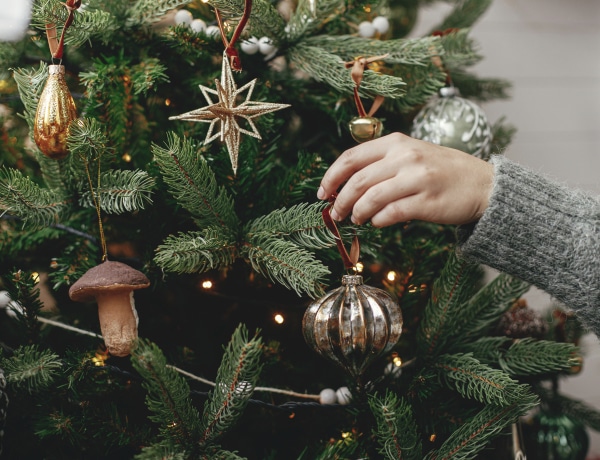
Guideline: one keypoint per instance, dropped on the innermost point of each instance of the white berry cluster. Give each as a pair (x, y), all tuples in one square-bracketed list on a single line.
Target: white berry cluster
[(340, 396), (368, 29), (185, 18), (264, 45)]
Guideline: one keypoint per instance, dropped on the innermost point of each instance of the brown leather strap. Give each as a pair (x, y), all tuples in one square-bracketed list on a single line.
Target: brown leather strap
[(350, 260), (57, 45), (234, 57), (358, 67)]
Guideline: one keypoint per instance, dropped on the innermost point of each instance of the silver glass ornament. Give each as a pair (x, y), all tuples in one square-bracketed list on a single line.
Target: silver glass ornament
[(456, 122), (353, 324)]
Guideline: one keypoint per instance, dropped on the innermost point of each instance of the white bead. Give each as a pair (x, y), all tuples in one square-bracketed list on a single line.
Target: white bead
[(366, 29), (198, 25), (250, 46), (265, 45), (328, 396), (381, 24), (343, 396), (212, 31), (4, 299), (183, 18)]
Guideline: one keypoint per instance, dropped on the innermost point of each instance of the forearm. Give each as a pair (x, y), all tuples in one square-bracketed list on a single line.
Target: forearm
[(543, 233)]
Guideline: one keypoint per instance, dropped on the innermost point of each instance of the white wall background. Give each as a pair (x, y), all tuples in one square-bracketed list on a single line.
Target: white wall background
[(550, 51)]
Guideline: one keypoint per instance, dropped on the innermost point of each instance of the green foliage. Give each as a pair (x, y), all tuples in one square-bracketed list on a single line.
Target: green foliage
[(168, 396), (121, 191), (473, 435), (234, 385), (396, 428), (149, 11), (474, 380), (524, 357), (193, 184), (21, 197), (196, 252), (465, 13), (310, 16), (450, 293), (287, 264), (31, 369), (30, 83)]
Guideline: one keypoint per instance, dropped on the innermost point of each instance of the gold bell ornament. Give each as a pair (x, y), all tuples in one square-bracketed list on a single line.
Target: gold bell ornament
[(354, 324), (55, 112), (365, 127)]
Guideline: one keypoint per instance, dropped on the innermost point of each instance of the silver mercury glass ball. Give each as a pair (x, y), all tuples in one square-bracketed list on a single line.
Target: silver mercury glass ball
[(456, 122), (353, 324)]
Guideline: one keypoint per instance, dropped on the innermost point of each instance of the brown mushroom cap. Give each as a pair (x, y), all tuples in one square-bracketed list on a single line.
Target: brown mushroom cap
[(107, 277)]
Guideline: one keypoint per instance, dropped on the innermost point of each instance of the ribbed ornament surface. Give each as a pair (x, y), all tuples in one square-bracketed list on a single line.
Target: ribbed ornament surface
[(55, 112), (353, 324)]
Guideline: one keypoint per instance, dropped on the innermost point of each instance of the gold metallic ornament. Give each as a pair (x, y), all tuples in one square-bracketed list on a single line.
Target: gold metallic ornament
[(364, 129), (55, 112), (353, 324)]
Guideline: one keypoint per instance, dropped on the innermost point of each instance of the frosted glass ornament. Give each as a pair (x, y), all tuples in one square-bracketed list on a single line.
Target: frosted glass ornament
[(250, 45), (381, 24), (455, 122), (328, 396), (198, 25)]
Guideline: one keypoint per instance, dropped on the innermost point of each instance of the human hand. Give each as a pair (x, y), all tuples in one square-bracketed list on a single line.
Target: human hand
[(397, 178)]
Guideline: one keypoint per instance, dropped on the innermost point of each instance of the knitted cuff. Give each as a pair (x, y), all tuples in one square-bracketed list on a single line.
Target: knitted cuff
[(541, 232)]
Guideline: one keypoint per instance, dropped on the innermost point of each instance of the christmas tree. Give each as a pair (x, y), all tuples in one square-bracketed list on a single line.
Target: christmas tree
[(164, 260)]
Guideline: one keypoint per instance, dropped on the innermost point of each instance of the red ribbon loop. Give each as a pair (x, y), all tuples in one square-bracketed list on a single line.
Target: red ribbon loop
[(350, 260)]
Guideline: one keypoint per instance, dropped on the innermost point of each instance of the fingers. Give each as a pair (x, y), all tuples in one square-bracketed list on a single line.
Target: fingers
[(349, 162)]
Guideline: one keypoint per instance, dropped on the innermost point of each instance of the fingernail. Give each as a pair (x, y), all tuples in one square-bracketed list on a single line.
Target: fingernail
[(353, 219), (334, 215), (321, 193)]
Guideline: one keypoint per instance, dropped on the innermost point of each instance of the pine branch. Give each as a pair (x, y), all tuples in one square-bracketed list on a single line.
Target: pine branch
[(465, 14), (193, 184), (474, 380), (302, 224), (459, 51), (147, 75), (87, 140), (485, 308), (338, 450), (265, 20), (538, 357), (445, 307), (236, 378), (287, 264), (196, 252), (21, 197), (310, 16), (31, 368), (121, 191), (472, 436), (167, 396), (329, 68), (30, 83), (396, 429), (87, 23), (162, 451), (147, 12)]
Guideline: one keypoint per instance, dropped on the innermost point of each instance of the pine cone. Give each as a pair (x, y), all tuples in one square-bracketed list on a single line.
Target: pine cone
[(521, 321)]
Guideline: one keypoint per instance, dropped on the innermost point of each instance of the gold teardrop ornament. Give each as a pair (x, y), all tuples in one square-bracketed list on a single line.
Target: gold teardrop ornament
[(55, 112)]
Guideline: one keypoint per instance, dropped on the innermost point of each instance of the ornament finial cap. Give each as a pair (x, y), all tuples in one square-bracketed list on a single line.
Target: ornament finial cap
[(352, 280)]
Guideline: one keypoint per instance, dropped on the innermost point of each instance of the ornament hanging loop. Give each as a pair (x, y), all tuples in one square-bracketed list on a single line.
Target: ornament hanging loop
[(234, 57), (358, 66), (55, 44), (350, 259)]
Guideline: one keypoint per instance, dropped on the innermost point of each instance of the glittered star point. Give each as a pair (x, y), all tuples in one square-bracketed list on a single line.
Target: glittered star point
[(226, 113)]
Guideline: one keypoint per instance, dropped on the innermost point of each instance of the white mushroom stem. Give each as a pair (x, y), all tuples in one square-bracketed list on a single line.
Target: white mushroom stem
[(118, 321)]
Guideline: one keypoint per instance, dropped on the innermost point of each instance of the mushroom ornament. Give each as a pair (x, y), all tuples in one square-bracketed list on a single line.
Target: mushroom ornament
[(111, 285)]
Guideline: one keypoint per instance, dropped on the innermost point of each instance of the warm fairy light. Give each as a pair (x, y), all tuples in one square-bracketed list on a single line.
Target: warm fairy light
[(207, 284), (167, 102), (54, 263), (346, 434), (292, 415), (126, 157), (397, 361), (367, 9), (432, 437), (359, 267), (35, 276), (412, 288), (391, 275), (279, 319), (99, 359)]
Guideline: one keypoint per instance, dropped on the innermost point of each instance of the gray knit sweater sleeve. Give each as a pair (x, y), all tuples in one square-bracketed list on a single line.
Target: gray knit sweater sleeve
[(542, 232)]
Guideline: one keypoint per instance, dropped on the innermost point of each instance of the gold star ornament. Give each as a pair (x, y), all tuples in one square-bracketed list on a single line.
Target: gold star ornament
[(227, 113)]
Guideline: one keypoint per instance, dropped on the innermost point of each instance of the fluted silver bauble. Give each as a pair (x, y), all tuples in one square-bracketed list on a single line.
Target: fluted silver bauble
[(456, 122), (353, 324)]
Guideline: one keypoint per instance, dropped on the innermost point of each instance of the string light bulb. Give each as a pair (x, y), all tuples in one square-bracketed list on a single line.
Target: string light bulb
[(359, 267), (279, 319), (391, 275), (207, 284)]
